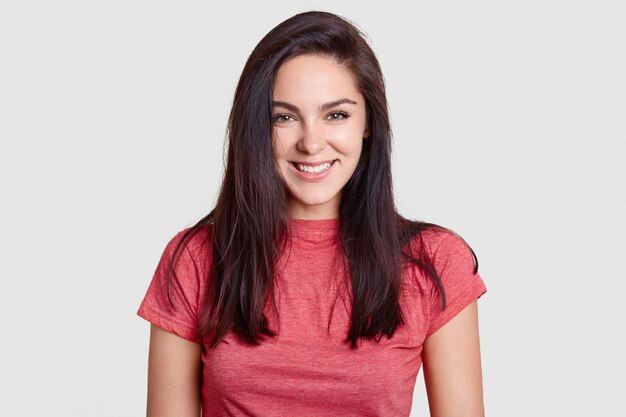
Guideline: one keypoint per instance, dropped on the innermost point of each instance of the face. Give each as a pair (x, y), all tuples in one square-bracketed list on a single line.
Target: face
[(318, 127)]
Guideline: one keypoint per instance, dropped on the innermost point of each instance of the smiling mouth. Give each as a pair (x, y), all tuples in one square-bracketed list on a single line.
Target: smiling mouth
[(313, 169)]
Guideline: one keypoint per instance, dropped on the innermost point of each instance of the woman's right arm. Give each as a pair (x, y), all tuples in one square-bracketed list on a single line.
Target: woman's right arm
[(174, 375)]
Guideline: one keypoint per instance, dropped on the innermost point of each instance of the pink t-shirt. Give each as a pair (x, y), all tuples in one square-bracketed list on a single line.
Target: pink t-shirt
[(307, 369)]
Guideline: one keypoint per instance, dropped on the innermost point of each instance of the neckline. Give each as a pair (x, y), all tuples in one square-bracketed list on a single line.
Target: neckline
[(315, 229)]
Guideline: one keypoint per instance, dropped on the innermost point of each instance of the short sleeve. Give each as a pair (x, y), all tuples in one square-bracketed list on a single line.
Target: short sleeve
[(454, 263), (177, 313)]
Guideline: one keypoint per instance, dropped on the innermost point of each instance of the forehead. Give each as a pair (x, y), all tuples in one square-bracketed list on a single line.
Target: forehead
[(316, 78)]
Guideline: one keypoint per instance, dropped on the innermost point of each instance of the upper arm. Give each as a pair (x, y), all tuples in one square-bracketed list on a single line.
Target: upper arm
[(174, 375), (452, 367)]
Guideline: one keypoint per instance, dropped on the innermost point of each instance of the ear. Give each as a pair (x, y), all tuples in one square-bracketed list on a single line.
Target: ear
[(366, 133)]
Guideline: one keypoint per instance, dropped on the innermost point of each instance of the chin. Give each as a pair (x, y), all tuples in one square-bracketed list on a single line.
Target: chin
[(312, 200)]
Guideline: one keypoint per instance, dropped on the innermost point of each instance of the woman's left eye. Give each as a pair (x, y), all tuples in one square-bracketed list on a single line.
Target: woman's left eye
[(338, 115)]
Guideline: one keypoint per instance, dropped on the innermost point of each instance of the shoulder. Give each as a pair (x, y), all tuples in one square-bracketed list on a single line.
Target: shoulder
[(428, 239), (448, 246), (193, 239), (188, 248), (176, 294), (437, 249)]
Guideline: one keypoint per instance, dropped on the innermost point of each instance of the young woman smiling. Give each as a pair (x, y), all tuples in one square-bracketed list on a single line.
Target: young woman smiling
[(320, 124), (304, 292)]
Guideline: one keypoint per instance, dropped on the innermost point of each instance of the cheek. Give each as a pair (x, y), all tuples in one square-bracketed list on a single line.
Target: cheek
[(350, 136), (278, 144), (350, 142), (282, 141)]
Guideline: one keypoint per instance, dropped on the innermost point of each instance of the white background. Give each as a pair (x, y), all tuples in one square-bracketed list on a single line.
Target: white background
[(509, 127)]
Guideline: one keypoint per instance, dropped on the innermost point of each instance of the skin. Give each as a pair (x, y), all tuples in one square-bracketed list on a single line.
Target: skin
[(174, 375), (307, 129), (452, 367)]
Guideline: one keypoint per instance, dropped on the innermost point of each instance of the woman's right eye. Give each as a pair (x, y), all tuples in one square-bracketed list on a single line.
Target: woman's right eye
[(282, 118)]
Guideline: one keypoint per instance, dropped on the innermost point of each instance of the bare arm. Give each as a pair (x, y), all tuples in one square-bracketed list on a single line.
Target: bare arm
[(174, 375), (452, 367)]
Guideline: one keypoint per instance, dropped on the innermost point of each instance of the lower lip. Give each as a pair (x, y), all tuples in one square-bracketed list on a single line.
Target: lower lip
[(312, 176)]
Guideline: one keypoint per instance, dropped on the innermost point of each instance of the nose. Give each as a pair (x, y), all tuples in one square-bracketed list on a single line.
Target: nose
[(312, 139)]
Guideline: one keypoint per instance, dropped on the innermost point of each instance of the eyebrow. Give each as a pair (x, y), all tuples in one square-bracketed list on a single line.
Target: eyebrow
[(323, 107)]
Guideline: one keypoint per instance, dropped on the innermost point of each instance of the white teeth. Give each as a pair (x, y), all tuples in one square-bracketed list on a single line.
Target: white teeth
[(314, 169)]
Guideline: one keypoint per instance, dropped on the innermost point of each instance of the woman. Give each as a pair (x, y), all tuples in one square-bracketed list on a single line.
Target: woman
[(303, 292)]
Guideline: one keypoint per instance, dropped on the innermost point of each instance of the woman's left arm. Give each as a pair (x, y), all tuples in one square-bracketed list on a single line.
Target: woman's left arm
[(452, 367)]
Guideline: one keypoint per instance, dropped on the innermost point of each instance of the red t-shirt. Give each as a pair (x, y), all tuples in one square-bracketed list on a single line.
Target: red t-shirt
[(308, 369)]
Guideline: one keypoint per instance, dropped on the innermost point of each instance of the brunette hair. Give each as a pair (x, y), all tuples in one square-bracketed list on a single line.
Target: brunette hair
[(249, 220)]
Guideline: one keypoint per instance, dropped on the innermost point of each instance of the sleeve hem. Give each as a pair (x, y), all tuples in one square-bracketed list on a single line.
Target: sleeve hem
[(453, 309), (167, 323)]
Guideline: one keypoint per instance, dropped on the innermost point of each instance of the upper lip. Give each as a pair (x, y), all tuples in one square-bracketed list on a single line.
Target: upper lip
[(312, 163)]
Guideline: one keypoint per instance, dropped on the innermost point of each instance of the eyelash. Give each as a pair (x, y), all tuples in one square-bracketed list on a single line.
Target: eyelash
[(343, 115), (278, 117)]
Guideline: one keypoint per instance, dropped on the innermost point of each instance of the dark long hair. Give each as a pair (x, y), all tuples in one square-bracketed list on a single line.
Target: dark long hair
[(249, 220)]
